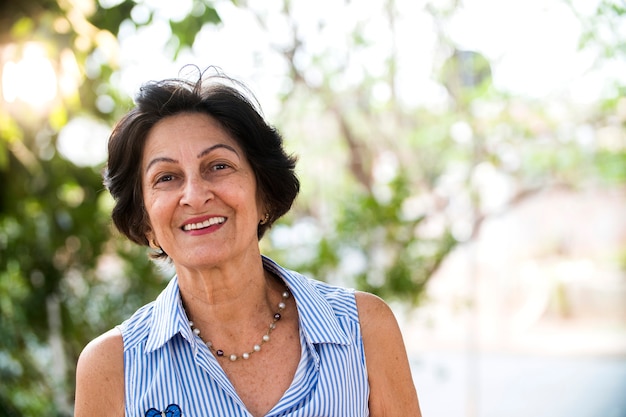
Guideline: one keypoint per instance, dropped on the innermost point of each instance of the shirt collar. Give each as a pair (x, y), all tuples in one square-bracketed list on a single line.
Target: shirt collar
[(168, 318), (318, 321), (317, 317)]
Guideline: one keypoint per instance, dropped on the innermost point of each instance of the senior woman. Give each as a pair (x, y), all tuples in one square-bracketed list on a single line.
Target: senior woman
[(199, 176)]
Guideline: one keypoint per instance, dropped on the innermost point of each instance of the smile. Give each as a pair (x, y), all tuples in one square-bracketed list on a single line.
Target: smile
[(207, 223)]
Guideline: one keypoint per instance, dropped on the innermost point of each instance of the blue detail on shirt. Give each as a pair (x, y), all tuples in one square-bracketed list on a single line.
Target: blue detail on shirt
[(172, 410), (166, 365)]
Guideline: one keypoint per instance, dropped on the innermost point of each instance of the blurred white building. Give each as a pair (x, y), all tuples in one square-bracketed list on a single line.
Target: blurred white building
[(549, 276)]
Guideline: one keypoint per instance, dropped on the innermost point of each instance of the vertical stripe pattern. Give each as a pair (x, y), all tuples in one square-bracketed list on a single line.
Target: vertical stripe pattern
[(164, 363)]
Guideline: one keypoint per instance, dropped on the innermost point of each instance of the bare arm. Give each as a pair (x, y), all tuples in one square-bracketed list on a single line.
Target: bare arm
[(392, 392), (100, 377)]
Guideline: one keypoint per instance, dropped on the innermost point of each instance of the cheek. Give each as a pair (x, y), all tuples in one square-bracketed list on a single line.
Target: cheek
[(249, 200), (157, 208)]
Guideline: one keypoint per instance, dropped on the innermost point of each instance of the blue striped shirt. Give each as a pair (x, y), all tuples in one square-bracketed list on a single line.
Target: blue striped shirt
[(168, 369)]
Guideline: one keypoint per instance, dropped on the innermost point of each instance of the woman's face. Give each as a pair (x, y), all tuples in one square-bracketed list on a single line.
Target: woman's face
[(199, 192)]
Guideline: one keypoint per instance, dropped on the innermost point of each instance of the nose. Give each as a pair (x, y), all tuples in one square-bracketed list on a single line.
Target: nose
[(196, 192)]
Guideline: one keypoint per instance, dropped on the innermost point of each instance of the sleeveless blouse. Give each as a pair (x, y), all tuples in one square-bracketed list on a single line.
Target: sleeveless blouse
[(168, 371)]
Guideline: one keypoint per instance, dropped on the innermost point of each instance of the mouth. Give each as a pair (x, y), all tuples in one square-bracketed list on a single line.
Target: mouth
[(204, 224)]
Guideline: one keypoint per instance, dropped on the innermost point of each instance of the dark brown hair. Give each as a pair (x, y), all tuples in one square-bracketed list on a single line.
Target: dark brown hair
[(227, 102)]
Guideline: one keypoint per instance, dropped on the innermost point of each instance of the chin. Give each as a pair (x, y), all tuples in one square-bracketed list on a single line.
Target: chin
[(200, 259)]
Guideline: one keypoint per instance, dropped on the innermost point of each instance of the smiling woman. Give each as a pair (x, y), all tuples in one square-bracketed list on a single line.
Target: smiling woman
[(213, 177)]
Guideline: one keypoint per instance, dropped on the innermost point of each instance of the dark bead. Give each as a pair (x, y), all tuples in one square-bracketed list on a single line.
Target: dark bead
[(277, 316), (219, 352)]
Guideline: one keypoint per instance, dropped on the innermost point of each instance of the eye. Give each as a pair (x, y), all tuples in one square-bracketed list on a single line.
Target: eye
[(165, 178), (220, 167)]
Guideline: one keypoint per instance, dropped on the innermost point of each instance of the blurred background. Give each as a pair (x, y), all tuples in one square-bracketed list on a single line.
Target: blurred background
[(465, 160)]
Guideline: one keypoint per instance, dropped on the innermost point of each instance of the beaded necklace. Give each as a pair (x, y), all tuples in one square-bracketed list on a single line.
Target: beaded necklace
[(256, 348)]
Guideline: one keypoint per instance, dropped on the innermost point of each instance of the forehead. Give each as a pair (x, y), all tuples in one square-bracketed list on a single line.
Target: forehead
[(186, 132)]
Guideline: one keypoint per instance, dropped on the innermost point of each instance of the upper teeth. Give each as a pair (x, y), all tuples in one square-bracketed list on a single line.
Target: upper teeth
[(206, 223)]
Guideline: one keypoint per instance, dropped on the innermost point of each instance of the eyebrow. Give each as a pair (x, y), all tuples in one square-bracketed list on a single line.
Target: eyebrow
[(200, 155), (216, 146)]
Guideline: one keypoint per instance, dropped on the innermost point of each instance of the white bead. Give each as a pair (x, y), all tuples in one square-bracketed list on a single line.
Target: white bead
[(256, 348), (233, 358), (196, 332), (286, 294), (245, 355), (266, 338), (281, 306)]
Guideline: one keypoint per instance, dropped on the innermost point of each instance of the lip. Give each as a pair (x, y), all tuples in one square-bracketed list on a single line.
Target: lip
[(203, 224)]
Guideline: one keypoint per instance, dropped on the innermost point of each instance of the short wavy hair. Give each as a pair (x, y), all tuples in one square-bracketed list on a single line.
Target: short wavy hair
[(237, 111)]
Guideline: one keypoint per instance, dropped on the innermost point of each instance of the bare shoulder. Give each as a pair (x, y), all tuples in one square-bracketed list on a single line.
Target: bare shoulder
[(107, 350), (392, 391), (100, 376), (372, 308), (376, 318)]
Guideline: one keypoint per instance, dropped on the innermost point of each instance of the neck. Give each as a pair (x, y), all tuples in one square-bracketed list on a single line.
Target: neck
[(229, 296)]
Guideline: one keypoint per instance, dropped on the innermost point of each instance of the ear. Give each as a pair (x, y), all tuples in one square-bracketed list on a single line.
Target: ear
[(151, 238), (261, 204)]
